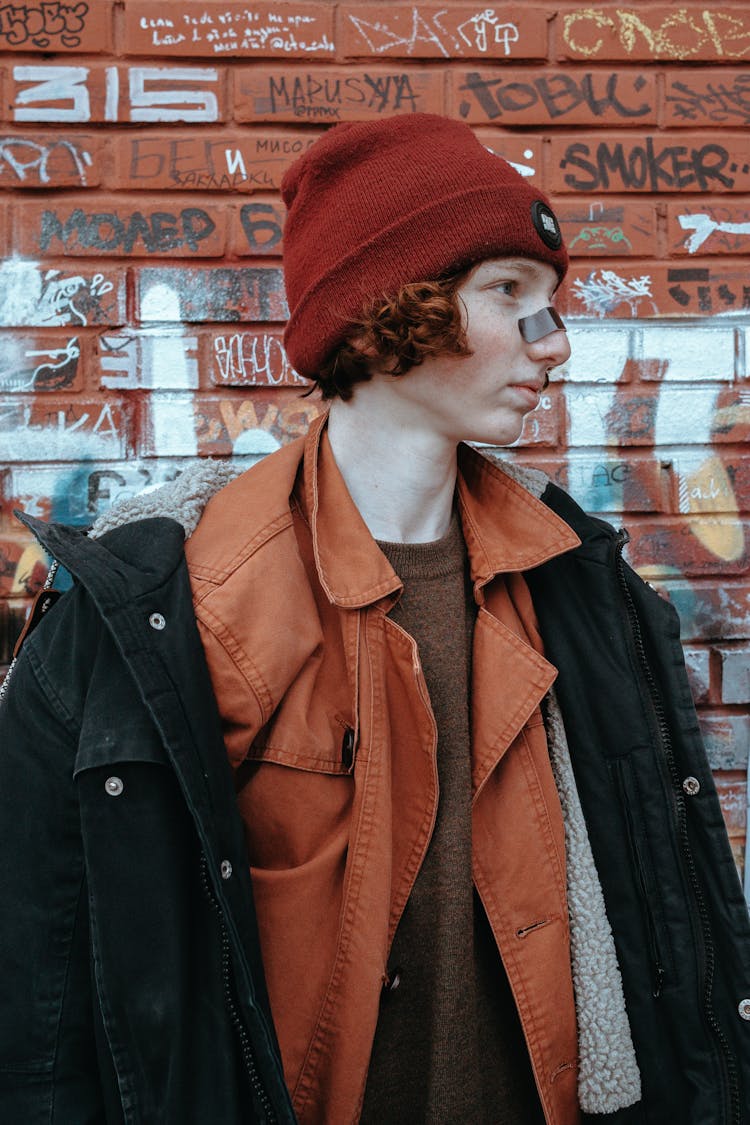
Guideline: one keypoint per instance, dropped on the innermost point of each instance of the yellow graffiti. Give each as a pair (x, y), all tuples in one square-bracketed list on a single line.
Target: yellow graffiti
[(680, 35), (32, 556), (709, 489)]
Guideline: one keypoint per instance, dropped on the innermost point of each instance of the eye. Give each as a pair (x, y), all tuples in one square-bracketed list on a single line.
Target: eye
[(508, 288)]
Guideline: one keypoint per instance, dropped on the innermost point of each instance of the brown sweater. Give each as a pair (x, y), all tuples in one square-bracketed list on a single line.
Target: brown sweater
[(448, 1046)]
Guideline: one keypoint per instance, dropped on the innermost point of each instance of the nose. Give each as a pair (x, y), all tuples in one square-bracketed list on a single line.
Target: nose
[(552, 349)]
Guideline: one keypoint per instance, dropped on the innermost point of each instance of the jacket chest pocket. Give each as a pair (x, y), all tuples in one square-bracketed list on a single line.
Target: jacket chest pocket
[(295, 793)]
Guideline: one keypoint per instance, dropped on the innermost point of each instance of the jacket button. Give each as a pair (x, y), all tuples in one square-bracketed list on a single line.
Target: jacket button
[(744, 1009), (157, 621), (113, 786), (692, 786), (226, 869)]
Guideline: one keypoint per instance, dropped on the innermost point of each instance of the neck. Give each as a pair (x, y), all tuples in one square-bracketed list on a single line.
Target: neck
[(401, 478)]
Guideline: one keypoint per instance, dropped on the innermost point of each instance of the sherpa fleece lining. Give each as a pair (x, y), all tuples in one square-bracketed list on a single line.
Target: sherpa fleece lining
[(608, 1075)]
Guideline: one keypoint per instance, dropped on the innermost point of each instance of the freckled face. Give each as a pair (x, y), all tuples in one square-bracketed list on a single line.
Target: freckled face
[(484, 397)]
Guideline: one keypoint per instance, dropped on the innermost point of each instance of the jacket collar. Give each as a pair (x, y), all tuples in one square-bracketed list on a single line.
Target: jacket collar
[(506, 527)]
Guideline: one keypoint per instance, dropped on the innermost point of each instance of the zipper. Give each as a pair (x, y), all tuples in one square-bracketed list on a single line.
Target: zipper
[(246, 1047), (725, 1052), (657, 967), (44, 600)]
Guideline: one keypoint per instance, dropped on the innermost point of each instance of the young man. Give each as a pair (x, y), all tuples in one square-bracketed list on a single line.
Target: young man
[(467, 862)]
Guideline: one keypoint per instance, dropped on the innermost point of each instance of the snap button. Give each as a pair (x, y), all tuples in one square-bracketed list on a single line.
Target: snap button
[(692, 786), (226, 869), (156, 621), (113, 786), (744, 1009)]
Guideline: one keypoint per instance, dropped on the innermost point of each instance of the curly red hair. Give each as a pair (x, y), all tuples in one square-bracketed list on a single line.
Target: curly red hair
[(397, 333)]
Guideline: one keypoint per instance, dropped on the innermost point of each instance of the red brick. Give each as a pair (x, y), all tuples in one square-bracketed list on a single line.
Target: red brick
[(707, 481), (650, 163), (706, 98), (643, 415), (232, 30), (36, 25), (23, 566), (325, 95), (669, 545), (698, 668), (606, 227), (155, 359), (258, 228), (253, 160), (145, 94), (252, 422), (41, 297), (443, 31), (254, 293), (732, 790), (39, 364), (558, 97), (727, 738), (522, 150), (116, 230), (711, 611), (690, 32), (708, 228), (735, 674), (251, 358), (608, 482), (61, 429), (647, 290), (46, 161)]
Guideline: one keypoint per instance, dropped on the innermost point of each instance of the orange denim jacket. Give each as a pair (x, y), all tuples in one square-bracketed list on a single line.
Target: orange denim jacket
[(328, 725)]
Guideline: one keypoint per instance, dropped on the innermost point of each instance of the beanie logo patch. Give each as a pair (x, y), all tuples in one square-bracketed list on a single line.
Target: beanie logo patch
[(546, 225)]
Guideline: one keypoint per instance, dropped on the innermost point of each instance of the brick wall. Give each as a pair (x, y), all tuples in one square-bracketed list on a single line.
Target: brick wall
[(141, 298)]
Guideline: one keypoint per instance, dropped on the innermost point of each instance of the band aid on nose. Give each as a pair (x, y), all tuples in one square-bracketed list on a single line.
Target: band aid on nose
[(540, 324)]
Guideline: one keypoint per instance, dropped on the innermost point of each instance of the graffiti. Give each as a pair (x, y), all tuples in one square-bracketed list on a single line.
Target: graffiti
[(720, 100), (608, 239), (44, 25), (261, 224), (703, 226), (155, 94), (52, 299), (316, 96), (604, 290), (251, 359), (34, 432), (57, 160), (559, 95), (424, 32), (252, 425), (641, 165), (234, 28), (159, 361), (207, 162), (24, 368), (222, 294), (682, 34), (105, 231), (709, 294)]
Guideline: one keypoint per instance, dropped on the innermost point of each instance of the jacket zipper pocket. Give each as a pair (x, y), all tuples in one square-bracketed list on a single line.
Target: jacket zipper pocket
[(246, 1047), (657, 961)]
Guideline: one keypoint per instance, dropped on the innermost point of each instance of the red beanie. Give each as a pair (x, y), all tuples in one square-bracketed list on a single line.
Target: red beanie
[(374, 206)]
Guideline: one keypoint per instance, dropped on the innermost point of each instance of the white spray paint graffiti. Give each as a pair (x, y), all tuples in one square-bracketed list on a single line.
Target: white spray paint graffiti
[(703, 226), (24, 156), (18, 374), (487, 21), (30, 298), (172, 415), (604, 290)]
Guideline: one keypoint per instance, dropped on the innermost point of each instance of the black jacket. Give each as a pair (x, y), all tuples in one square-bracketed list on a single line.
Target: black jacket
[(132, 987)]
